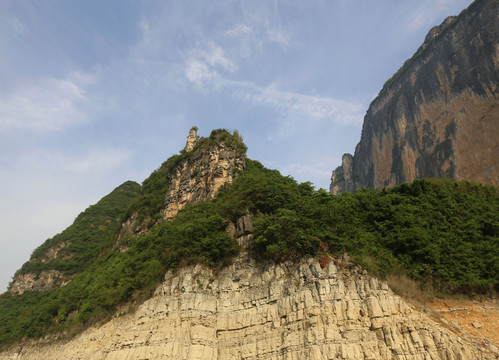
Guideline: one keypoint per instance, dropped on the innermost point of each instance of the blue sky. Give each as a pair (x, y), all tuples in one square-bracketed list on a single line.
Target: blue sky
[(94, 93)]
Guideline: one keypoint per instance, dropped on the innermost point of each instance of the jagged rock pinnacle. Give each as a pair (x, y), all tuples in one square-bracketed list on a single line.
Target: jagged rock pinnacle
[(191, 139)]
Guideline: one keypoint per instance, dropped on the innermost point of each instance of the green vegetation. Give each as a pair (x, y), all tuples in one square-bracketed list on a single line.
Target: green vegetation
[(441, 233), (436, 232), (92, 232), (154, 188), (197, 234)]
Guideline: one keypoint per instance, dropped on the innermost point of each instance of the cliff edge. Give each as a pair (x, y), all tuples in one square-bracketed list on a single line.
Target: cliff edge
[(278, 311), (438, 116)]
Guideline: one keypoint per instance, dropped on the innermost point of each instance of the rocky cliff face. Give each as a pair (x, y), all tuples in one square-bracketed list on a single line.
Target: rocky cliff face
[(196, 178), (201, 176), (287, 311), (439, 115)]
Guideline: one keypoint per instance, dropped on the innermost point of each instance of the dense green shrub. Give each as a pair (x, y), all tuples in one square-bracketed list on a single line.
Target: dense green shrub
[(92, 233)]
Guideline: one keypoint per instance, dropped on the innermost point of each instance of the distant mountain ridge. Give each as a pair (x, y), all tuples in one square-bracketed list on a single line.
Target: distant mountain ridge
[(438, 116)]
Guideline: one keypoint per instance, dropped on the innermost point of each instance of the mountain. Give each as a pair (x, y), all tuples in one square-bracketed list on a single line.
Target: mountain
[(438, 116), (216, 257), (60, 258)]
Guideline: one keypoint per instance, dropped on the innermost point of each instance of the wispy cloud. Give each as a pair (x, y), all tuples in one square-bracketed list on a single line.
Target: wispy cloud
[(289, 104), (13, 24), (309, 106), (279, 36), (239, 30), (426, 14), (202, 66), (45, 105)]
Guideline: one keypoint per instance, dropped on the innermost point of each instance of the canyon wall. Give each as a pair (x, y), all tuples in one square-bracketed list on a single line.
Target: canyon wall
[(438, 116)]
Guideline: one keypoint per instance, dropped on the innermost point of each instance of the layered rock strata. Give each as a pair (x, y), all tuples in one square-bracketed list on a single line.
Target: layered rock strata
[(439, 115), (288, 311)]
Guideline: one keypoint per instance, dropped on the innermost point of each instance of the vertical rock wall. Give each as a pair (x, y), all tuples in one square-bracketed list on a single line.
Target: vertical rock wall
[(439, 115), (288, 311)]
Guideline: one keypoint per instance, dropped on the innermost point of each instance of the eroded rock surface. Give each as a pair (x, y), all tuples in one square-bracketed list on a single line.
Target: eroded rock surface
[(439, 115), (46, 280), (288, 311), (201, 176)]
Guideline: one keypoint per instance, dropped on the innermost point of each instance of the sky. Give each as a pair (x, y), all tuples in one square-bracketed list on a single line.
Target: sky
[(97, 92)]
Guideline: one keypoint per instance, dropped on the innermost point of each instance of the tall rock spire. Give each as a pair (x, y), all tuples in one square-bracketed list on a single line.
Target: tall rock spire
[(191, 139)]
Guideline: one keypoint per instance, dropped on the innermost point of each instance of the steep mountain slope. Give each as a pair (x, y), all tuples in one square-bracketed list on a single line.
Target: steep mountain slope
[(438, 116), (60, 258)]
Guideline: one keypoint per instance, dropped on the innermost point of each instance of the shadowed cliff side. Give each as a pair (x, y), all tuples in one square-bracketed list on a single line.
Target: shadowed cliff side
[(438, 116)]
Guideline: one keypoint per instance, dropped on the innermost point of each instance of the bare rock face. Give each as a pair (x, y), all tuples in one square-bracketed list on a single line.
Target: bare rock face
[(287, 311), (191, 139), (200, 177), (197, 177), (46, 280), (439, 115)]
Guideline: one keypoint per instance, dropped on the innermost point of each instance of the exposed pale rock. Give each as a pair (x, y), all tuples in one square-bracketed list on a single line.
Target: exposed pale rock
[(191, 139), (46, 280), (201, 176), (287, 311), (196, 178)]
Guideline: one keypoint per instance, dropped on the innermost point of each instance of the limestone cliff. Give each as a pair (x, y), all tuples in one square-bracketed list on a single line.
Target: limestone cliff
[(438, 116), (204, 166), (200, 176), (287, 311)]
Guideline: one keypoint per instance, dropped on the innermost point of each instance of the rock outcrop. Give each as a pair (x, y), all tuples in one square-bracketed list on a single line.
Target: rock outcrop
[(207, 164), (438, 116), (287, 311), (200, 176), (46, 280)]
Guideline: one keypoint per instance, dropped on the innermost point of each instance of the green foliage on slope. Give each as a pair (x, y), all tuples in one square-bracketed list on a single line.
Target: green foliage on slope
[(154, 188), (92, 232), (442, 233)]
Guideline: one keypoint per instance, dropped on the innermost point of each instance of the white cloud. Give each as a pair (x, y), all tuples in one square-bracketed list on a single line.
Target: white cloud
[(239, 30), (198, 73), (291, 105), (309, 106), (278, 36), (44, 105), (202, 67), (217, 58)]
